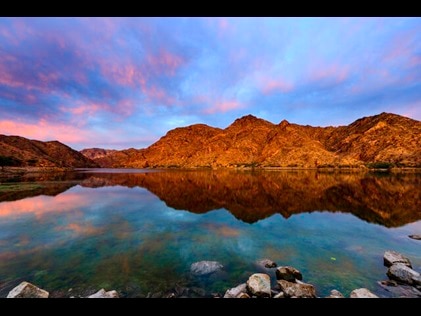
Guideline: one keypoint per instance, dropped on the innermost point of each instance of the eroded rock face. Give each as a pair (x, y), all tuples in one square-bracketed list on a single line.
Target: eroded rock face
[(205, 267), (362, 293), (404, 274), (259, 284), (27, 290), (391, 257), (236, 291), (288, 273), (300, 290), (104, 294)]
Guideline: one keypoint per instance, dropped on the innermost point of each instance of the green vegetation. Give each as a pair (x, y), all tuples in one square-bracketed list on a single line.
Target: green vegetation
[(380, 165), (15, 187), (9, 161)]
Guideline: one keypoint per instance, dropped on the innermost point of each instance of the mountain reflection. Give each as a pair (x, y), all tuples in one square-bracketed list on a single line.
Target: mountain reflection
[(390, 200)]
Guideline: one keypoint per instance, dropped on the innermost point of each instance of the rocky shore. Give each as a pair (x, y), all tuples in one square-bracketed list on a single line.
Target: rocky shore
[(403, 282)]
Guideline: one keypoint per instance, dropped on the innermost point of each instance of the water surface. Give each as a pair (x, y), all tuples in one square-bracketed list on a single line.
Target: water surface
[(139, 231)]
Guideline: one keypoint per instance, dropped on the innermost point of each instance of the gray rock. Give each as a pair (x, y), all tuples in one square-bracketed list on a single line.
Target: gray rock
[(104, 294), (205, 267), (235, 291), (300, 290), (267, 263), (27, 290), (280, 295), (404, 274), (335, 294), (391, 257), (288, 273), (406, 291), (259, 284), (416, 237), (362, 293)]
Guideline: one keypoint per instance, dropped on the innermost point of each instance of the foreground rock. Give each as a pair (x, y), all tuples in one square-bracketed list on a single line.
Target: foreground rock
[(258, 284), (236, 291), (288, 273), (27, 290), (404, 274), (391, 257), (205, 267), (362, 293), (299, 290), (104, 294), (335, 294), (267, 263), (416, 237)]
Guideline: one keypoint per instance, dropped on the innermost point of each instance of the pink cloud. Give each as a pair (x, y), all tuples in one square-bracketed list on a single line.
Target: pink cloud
[(164, 62), (277, 85), (337, 73), (44, 130), (222, 107)]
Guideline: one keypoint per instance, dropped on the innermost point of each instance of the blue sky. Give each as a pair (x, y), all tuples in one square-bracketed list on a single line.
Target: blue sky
[(124, 82)]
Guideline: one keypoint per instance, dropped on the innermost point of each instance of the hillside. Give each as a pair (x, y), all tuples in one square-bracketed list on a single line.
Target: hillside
[(254, 142), (25, 152)]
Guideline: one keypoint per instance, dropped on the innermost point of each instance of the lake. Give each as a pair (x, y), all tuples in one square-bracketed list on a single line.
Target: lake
[(138, 231)]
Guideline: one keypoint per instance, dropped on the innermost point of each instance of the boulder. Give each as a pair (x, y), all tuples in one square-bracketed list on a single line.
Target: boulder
[(104, 294), (362, 293), (404, 291), (267, 263), (288, 273), (404, 274), (279, 295), (205, 267), (335, 294), (236, 291), (259, 284), (391, 257), (27, 290), (416, 237), (300, 290), (243, 295)]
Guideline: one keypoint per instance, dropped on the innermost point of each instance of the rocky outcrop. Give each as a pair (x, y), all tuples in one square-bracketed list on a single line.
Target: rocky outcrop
[(26, 152), (335, 294), (299, 290), (362, 293), (258, 284), (236, 291), (27, 290), (249, 141), (404, 274), (288, 273), (400, 290), (205, 267), (391, 257), (104, 294)]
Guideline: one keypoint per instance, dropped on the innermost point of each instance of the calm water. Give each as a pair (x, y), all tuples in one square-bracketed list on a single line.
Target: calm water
[(138, 232)]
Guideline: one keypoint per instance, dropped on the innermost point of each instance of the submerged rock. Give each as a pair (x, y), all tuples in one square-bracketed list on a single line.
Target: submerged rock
[(236, 291), (362, 293), (259, 284), (288, 273), (416, 237), (27, 290), (300, 290), (404, 274), (243, 295), (267, 263), (405, 291), (335, 294), (205, 267), (391, 257), (104, 294)]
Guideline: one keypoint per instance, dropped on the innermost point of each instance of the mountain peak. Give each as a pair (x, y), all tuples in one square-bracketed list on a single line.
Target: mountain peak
[(249, 120)]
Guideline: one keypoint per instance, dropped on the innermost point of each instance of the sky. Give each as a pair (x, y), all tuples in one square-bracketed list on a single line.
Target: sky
[(125, 82)]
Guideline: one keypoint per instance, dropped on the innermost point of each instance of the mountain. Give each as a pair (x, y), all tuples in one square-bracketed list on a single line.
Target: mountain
[(26, 152), (253, 142)]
